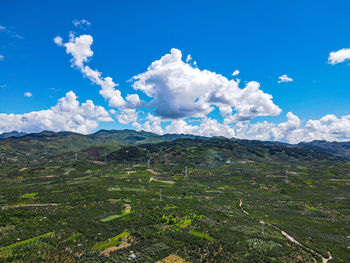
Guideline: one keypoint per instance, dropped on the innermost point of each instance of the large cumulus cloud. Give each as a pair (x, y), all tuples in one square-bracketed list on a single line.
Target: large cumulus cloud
[(67, 115), (179, 90)]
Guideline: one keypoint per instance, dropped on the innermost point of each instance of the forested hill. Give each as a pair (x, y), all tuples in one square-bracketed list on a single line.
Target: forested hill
[(120, 144)]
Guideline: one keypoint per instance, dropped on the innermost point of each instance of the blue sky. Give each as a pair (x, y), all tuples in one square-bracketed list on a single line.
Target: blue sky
[(263, 40)]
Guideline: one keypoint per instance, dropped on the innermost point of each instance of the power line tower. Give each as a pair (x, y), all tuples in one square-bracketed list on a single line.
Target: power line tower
[(286, 177), (148, 163), (186, 174), (76, 156), (262, 228)]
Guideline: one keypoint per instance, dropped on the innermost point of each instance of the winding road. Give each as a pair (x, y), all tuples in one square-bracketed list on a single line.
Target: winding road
[(292, 239)]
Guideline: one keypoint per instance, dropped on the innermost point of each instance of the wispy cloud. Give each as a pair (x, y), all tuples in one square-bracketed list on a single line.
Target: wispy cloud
[(10, 32), (2, 57), (284, 78), (235, 73), (28, 94), (82, 23), (80, 49)]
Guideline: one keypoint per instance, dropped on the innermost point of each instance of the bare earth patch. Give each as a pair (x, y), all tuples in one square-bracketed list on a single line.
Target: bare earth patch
[(173, 259), (340, 180), (152, 171), (161, 181), (107, 251), (47, 176), (98, 162)]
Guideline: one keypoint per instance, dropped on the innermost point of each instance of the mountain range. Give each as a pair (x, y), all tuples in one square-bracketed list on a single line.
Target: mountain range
[(114, 144)]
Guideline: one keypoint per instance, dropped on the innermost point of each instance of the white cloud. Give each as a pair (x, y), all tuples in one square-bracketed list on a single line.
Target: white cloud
[(180, 90), (284, 78), (134, 101), (127, 116), (28, 94), (328, 128), (207, 127), (67, 115), (180, 127), (253, 102), (10, 32), (339, 56), (2, 57), (235, 73), (152, 124), (83, 23), (189, 58), (80, 49), (211, 127), (58, 41)]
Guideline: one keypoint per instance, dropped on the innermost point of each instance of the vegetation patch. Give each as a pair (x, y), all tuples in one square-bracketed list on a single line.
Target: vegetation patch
[(201, 235), (7, 249), (29, 195), (262, 245), (114, 241), (127, 211), (74, 236)]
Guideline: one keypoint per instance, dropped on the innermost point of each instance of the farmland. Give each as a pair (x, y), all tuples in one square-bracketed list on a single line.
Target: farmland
[(67, 210)]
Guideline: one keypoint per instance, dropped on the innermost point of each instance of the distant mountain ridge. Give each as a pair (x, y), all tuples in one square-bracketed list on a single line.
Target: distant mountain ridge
[(337, 148), (44, 145), (47, 145), (12, 134)]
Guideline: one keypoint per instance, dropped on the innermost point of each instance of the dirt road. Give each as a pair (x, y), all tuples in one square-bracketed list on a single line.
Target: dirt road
[(292, 239), (27, 205)]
